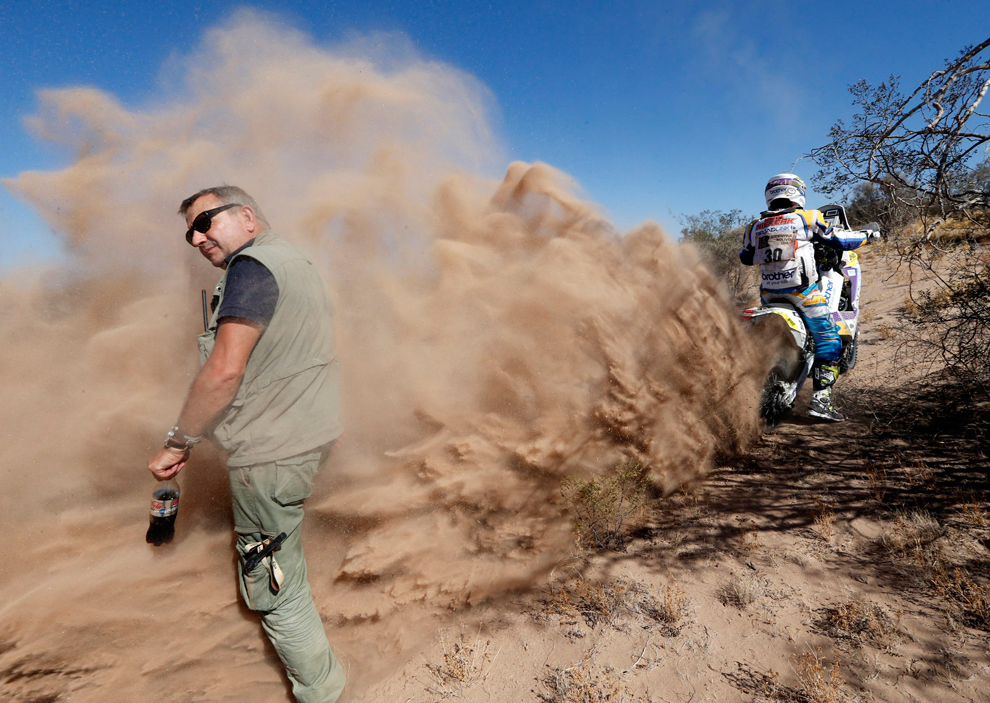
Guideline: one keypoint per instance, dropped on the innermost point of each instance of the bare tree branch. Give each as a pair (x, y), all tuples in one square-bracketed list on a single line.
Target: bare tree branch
[(921, 149), (925, 157)]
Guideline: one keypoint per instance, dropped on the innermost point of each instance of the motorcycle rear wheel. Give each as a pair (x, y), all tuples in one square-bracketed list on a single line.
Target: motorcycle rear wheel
[(849, 354), (773, 409)]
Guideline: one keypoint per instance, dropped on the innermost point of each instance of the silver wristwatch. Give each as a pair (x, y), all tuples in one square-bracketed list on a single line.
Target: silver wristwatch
[(184, 441)]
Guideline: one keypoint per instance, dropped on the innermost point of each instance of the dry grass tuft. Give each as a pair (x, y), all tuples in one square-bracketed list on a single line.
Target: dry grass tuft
[(764, 687), (585, 682), (741, 591), (825, 521), (669, 608), (612, 602), (914, 538), (919, 473), (464, 665), (877, 477), (860, 623), (770, 688), (819, 682)]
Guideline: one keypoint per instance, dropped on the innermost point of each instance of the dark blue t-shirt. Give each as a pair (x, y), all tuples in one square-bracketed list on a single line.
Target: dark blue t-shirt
[(251, 291)]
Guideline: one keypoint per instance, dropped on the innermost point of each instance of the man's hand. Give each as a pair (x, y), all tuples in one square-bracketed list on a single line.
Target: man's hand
[(168, 462)]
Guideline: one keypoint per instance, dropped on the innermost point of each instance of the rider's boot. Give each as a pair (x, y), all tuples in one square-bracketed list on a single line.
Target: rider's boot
[(823, 378)]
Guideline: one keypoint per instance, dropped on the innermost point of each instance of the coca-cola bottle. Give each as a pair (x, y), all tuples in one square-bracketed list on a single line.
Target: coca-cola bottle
[(164, 508)]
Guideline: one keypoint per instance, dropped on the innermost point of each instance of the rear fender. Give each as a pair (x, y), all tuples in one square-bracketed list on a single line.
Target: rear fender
[(799, 331)]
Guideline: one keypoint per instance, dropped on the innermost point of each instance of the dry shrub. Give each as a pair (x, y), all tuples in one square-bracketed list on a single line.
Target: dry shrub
[(463, 665), (960, 231), (885, 330), (741, 591), (954, 318), (969, 597), (973, 512), (860, 622), (602, 505), (601, 603), (819, 682), (688, 497), (611, 602), (585, 682), (770, 688)]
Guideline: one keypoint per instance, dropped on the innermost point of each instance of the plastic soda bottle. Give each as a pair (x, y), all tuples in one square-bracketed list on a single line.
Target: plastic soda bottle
[(164, 508)]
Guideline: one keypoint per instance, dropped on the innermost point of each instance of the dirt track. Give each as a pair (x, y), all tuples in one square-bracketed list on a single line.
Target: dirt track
[(819, 568)]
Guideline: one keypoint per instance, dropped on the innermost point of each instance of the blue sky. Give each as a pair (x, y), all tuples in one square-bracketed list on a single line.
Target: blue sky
[(656, 109)]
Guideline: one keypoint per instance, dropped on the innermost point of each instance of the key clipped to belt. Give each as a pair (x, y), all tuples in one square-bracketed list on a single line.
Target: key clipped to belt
[(263, 551)]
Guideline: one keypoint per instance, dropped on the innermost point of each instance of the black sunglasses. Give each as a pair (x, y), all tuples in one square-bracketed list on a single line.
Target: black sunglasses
[(204, 220)]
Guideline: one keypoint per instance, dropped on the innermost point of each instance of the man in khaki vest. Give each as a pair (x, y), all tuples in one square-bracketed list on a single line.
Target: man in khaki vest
[(269, 391)]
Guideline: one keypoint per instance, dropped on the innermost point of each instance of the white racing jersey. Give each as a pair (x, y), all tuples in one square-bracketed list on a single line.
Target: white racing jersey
[(782, 244)]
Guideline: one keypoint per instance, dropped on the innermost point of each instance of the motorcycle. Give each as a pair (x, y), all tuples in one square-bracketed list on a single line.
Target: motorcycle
[(840, 280)]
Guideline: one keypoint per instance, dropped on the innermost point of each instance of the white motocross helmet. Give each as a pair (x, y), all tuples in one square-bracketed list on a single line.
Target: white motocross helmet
[(787, 186)]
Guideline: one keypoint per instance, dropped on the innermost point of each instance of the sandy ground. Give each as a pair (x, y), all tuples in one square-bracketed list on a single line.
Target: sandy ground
[(819, 566)]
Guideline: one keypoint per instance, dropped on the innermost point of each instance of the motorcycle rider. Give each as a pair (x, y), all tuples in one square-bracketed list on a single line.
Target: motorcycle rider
[(781, 242)]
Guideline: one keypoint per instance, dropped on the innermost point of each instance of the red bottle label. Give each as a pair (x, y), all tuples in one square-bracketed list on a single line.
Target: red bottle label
[(164, 508)]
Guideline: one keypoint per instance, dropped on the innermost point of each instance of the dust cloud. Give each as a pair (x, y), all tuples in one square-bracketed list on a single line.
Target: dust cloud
[(494, 337)]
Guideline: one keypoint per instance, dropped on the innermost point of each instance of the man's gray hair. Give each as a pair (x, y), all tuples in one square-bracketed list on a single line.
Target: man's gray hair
[(226, 195)]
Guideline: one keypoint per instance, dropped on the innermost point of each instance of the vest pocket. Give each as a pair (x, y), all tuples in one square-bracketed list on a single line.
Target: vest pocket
[(205, 341)]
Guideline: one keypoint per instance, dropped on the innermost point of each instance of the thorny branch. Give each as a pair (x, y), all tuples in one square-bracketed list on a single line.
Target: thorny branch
[(923, 149)]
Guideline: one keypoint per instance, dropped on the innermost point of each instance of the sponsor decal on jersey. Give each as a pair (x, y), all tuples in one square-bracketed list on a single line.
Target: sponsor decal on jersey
[(774, 221), (777, 276)]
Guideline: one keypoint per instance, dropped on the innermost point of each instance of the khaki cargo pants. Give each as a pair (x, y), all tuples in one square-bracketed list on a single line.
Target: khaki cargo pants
[(268, 499)]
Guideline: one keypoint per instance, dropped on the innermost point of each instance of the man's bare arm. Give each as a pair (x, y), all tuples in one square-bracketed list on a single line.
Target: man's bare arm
[(217, 382), (212, 390)]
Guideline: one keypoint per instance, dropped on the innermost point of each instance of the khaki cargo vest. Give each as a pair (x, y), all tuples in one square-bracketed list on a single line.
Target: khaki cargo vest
[(289, 400)]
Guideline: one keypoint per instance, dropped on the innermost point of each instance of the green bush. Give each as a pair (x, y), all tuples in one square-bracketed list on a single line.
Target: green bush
[(719, 237), (602, 506)]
